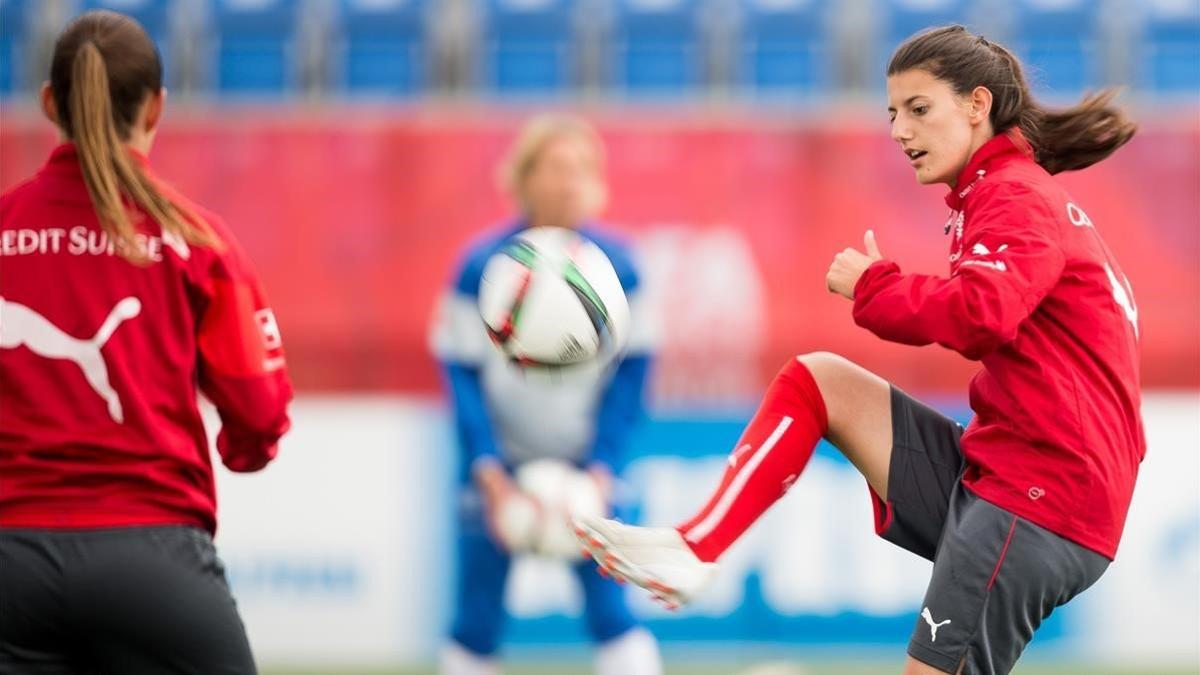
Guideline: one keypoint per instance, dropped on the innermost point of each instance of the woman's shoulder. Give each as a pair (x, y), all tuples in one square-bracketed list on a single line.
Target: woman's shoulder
[(30, 187), (1018, 183), (619, 251), (191, 206), (1018, 199), (475, 255)]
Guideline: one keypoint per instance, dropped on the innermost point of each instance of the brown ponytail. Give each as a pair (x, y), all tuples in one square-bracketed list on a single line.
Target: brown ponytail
[(1063, 140), (1077, 137), (104, 67)]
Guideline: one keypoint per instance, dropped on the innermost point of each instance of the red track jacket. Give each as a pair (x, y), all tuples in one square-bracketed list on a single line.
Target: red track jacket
[(100, 361), (1035, 296)]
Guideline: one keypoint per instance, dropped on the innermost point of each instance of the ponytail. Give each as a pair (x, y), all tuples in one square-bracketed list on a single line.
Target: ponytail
[(1078, 137), (91, 120), (1062, 140)]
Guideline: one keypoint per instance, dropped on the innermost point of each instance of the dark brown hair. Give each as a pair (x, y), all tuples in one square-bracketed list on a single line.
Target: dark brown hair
[(104, 67), (1062, 140)]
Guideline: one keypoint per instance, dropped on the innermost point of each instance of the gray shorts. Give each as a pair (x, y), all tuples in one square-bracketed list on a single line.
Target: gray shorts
[(121, 601), (996, 576)]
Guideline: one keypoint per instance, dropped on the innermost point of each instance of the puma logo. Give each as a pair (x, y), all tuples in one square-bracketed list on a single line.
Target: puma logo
[(933, 627), (981, 249), (20, 325)]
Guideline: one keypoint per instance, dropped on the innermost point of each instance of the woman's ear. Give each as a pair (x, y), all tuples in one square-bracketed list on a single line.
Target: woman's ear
[(981, 104), (49, 107), (154, 109)]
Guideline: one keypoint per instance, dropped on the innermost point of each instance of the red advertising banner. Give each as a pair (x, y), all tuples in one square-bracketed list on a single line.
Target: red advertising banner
[(356, 219)]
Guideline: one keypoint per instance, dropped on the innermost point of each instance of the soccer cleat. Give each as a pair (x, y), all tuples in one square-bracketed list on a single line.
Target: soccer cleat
[(655, 558)]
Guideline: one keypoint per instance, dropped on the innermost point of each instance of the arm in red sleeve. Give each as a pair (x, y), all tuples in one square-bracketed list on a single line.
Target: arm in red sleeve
[(1011, 260), (242, 368)]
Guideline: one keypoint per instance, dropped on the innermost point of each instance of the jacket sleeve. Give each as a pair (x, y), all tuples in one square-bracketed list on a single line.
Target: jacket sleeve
[(241, 365), (460, 343), (623, 401), (471, 418), (1010, 260), (621, 408)]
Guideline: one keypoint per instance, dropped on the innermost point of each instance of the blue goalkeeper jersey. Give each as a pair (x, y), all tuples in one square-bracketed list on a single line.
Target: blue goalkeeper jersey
[(581, 414)]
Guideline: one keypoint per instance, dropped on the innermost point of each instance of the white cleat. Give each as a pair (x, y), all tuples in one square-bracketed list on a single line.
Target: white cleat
[(655, 558)]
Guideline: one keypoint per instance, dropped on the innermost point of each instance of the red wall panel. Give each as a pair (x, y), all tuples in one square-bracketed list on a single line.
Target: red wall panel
[(355, 221)]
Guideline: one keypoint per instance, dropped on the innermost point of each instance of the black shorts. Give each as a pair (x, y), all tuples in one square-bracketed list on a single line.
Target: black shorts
[(121, 601), (996, 576)]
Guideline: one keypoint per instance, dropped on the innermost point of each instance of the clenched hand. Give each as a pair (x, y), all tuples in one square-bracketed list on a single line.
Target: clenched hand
[(849, 265)]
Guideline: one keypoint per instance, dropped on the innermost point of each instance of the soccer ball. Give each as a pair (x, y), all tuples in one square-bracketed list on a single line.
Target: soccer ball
[(551, 297), (560, 493)]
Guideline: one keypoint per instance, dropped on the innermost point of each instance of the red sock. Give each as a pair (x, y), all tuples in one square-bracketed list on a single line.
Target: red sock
[(773, 450)]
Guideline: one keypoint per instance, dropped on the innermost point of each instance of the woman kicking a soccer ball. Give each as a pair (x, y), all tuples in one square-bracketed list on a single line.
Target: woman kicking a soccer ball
[(1024, 509)]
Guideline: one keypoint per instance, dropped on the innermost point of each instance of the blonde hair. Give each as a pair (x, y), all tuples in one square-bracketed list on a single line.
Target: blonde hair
[(532, 139), (104, 66)]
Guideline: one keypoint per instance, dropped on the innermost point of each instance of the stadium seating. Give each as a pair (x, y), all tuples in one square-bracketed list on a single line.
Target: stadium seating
[(657, 47), (1171, 52), (785, 47), (255, 45), (156, 17), (903, 18), (528, 46), (672, 50), (14, 43), (383, 47), (1058, 42)]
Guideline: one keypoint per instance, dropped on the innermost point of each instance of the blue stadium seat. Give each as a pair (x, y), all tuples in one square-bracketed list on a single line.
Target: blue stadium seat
[(527, 46), (14, 37), (904, 18), (255, 46), (385, 47), (1057, 40), (785, 47), (155, 17), (1171, 53), (657, 47)]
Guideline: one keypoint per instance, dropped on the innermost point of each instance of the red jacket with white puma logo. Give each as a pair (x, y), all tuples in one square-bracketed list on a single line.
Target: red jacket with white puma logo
[(100, 360), (1035, 296)]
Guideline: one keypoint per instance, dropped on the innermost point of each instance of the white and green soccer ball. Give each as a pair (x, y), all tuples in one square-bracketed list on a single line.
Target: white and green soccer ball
[(551, 298)]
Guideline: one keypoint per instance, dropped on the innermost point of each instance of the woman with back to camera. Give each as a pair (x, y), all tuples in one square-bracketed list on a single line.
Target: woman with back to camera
[(118, 297), (1024, 509)]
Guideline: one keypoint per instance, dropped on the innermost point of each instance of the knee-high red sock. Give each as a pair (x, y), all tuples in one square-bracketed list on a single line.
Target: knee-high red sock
[(773, 450)]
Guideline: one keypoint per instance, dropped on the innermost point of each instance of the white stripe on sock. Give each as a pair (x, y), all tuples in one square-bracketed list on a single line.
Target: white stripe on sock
[(705, 527)]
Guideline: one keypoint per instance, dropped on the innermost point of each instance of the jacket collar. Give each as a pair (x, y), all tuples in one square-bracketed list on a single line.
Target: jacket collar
[(65, 159), (585, 228), (999, 149)]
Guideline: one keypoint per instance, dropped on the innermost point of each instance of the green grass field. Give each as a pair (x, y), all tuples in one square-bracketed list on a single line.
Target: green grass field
[(771, 668)]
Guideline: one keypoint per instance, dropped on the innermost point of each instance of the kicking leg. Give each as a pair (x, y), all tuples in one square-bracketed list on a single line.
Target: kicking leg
[(817, 395), (814, 396), (859, 410)]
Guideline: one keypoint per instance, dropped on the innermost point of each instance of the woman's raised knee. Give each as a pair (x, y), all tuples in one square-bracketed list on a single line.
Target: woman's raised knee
[(826, 365)]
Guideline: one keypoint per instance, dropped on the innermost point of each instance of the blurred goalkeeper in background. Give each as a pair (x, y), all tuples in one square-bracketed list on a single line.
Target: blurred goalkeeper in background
[(506, 416)]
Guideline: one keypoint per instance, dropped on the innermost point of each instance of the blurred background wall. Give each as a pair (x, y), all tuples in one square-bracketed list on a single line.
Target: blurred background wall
[(352, 145)]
